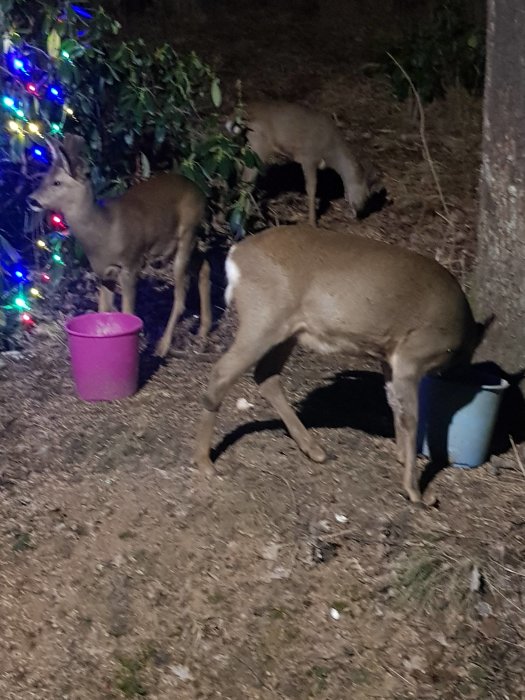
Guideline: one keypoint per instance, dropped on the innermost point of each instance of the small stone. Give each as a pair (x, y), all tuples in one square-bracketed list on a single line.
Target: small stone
[(484, 609), (243, 405), (118, 560), (279, 573), (270, 552), (475, 579), (415, 663), (182, 672)]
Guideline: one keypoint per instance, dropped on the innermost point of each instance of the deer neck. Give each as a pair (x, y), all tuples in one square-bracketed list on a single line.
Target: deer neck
[(88, 221)]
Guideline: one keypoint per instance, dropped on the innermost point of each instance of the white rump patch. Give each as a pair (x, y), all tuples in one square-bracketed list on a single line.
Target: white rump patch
[(233, 275)]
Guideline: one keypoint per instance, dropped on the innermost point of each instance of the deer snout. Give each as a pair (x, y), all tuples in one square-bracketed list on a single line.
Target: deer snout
[(34, 204)]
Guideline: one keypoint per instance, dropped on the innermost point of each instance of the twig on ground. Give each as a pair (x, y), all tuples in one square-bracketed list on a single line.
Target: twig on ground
[(507, 568), (294, 502), (257, 676), (517, 455), (396, 673), (495, 589)]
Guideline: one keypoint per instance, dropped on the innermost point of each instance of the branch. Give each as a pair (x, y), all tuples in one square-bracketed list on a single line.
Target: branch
[(424, 143)]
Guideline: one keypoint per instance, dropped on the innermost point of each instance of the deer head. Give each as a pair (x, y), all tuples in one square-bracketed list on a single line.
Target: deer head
[(66, 182)]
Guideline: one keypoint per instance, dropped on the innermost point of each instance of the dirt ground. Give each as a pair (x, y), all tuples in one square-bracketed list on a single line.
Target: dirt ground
[(123, 576)]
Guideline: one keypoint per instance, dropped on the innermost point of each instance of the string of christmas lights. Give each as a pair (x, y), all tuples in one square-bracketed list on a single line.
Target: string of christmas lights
[(33, 106)]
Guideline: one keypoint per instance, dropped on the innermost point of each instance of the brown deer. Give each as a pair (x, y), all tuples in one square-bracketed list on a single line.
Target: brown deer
[(311, 139), (156, 218), (338, 292)]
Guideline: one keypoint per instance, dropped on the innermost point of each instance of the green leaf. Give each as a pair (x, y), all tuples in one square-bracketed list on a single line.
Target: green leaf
[(216, 95)]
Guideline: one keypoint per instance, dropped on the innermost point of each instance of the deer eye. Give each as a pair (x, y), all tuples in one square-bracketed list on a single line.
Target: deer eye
[(57, 183)]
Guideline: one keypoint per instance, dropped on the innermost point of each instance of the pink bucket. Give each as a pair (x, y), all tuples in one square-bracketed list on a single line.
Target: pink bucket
[(104, 351)]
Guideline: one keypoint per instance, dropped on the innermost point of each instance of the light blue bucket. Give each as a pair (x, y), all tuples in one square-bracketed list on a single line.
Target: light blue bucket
[(457, 417)]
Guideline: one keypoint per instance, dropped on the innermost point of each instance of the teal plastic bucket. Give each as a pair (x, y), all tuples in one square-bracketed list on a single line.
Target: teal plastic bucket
[(457, 417)]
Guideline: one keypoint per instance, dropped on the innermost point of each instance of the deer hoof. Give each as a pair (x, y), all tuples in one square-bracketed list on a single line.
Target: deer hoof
[(414, 496), (431, 500), (316, 453), (162, 347), (205, 467)]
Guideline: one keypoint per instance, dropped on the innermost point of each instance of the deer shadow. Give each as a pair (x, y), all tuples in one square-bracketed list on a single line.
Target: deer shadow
[(352, 399), (357, 400), (154, 304), (277, 179)]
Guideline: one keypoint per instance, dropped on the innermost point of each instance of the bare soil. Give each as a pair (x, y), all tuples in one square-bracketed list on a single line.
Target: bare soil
[(124, 576)]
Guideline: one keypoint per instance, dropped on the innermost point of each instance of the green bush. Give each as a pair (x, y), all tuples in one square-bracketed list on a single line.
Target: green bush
[(448, 51), (140, 109), (130, 99)]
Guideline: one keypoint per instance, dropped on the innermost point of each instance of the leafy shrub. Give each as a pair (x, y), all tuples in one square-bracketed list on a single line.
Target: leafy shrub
[(448, 51), (139, 108)]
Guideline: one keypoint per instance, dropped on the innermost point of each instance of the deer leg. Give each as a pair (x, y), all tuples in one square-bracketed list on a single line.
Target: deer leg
[(310, 179), (393, 403), (267, 377), (105, 298), (128, 286), (180, 277), (247, 349), (404, 390), (205, 299)]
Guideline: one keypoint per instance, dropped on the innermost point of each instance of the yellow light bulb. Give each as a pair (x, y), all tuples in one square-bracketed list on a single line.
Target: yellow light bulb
[(13, 126), (34, 292), (40, 243), (33, 128), (68, 110)]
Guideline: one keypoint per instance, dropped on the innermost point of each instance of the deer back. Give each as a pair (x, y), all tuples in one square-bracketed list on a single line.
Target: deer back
[(338, 291)]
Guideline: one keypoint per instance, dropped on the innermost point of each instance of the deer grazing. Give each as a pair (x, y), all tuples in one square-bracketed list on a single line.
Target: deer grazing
[(311, 139), (156, 218), (338, 292)]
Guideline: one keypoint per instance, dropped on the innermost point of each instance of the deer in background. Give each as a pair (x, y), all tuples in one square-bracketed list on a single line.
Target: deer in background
[(311, 139), (338, 292), (156, 218)]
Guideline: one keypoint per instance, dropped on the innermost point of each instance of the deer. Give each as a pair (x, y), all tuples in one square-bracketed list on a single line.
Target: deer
[(313, 140), (338, 292), (155, 218)]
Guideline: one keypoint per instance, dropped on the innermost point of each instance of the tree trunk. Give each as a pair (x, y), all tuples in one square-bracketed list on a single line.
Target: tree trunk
[(500, 274)]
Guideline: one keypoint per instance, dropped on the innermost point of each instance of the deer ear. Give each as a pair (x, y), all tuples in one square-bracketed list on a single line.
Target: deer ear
[(59, 157), (54, 148), (74, 147)]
